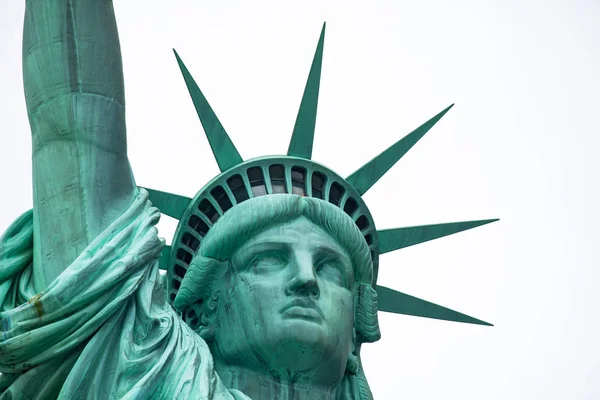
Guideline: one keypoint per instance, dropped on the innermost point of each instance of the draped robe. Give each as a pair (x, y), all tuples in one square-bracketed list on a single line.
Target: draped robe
[(103, 329)]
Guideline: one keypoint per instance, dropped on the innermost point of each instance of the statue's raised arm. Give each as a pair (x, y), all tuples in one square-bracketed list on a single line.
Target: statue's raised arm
[(73, 80)]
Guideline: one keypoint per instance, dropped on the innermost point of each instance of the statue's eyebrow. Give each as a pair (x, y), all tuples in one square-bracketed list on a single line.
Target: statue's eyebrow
[(254, 247), (333, 251), (276, 241)]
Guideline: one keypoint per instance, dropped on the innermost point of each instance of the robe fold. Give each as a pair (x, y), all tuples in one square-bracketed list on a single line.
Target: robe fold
[(103, 329)]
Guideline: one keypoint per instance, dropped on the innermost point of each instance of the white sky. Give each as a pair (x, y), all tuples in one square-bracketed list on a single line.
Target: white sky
[(520, 144)]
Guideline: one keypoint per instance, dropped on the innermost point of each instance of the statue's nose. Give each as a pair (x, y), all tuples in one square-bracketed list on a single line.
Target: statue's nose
[(304, 282)]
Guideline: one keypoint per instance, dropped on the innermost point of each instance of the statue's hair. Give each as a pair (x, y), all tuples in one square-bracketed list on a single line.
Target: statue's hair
[(254, 216)]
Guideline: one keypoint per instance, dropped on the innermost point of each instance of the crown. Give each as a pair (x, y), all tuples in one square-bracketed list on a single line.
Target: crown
[(296, 173)]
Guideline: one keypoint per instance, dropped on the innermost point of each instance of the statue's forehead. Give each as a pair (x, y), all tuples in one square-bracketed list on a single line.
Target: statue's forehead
[(299, 230)]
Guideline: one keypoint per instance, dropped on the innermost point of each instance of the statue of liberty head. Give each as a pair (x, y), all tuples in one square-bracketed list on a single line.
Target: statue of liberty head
[(274, 262)]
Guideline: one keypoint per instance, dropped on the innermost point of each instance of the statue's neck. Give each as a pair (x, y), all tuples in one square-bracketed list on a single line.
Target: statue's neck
[(258, 386)]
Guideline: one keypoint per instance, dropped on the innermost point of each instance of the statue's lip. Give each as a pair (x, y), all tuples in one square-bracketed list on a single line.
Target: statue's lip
[(303, 307)]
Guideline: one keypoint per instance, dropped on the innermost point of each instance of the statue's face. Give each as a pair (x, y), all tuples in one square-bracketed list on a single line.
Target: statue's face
[(287, 302)]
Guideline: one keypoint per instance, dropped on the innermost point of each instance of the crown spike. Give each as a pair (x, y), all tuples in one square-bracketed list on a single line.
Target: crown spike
[(399, 238), (222, 147), (389, 300), (367, 175), (303, 136), (169, 204)]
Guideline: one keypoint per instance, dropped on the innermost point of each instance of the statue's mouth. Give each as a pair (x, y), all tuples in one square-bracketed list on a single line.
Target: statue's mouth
[(303, 308)]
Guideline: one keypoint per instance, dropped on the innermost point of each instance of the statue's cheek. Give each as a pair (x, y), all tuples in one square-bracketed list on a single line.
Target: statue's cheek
[(254, 296), (344, 307)]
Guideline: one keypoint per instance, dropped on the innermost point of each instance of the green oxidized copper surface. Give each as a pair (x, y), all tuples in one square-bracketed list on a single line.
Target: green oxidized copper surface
[(271, 285)]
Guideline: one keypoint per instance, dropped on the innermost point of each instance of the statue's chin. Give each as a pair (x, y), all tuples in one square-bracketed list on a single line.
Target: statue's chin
[(303, 345), (294, 348)]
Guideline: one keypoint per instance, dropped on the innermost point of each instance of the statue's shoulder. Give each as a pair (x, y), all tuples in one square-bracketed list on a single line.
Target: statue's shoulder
[(118, 333)]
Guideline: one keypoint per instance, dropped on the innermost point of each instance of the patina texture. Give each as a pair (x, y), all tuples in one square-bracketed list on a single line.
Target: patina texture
[(270, 288)]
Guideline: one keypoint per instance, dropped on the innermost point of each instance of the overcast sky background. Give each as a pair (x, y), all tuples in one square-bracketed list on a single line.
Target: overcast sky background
[(521, 144)]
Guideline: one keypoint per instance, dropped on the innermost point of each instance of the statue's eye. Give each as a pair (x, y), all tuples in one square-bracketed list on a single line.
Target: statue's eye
[(269, 261), (330, 269)]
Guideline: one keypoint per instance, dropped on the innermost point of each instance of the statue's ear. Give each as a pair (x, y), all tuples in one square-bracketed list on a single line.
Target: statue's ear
[(200, 316)]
